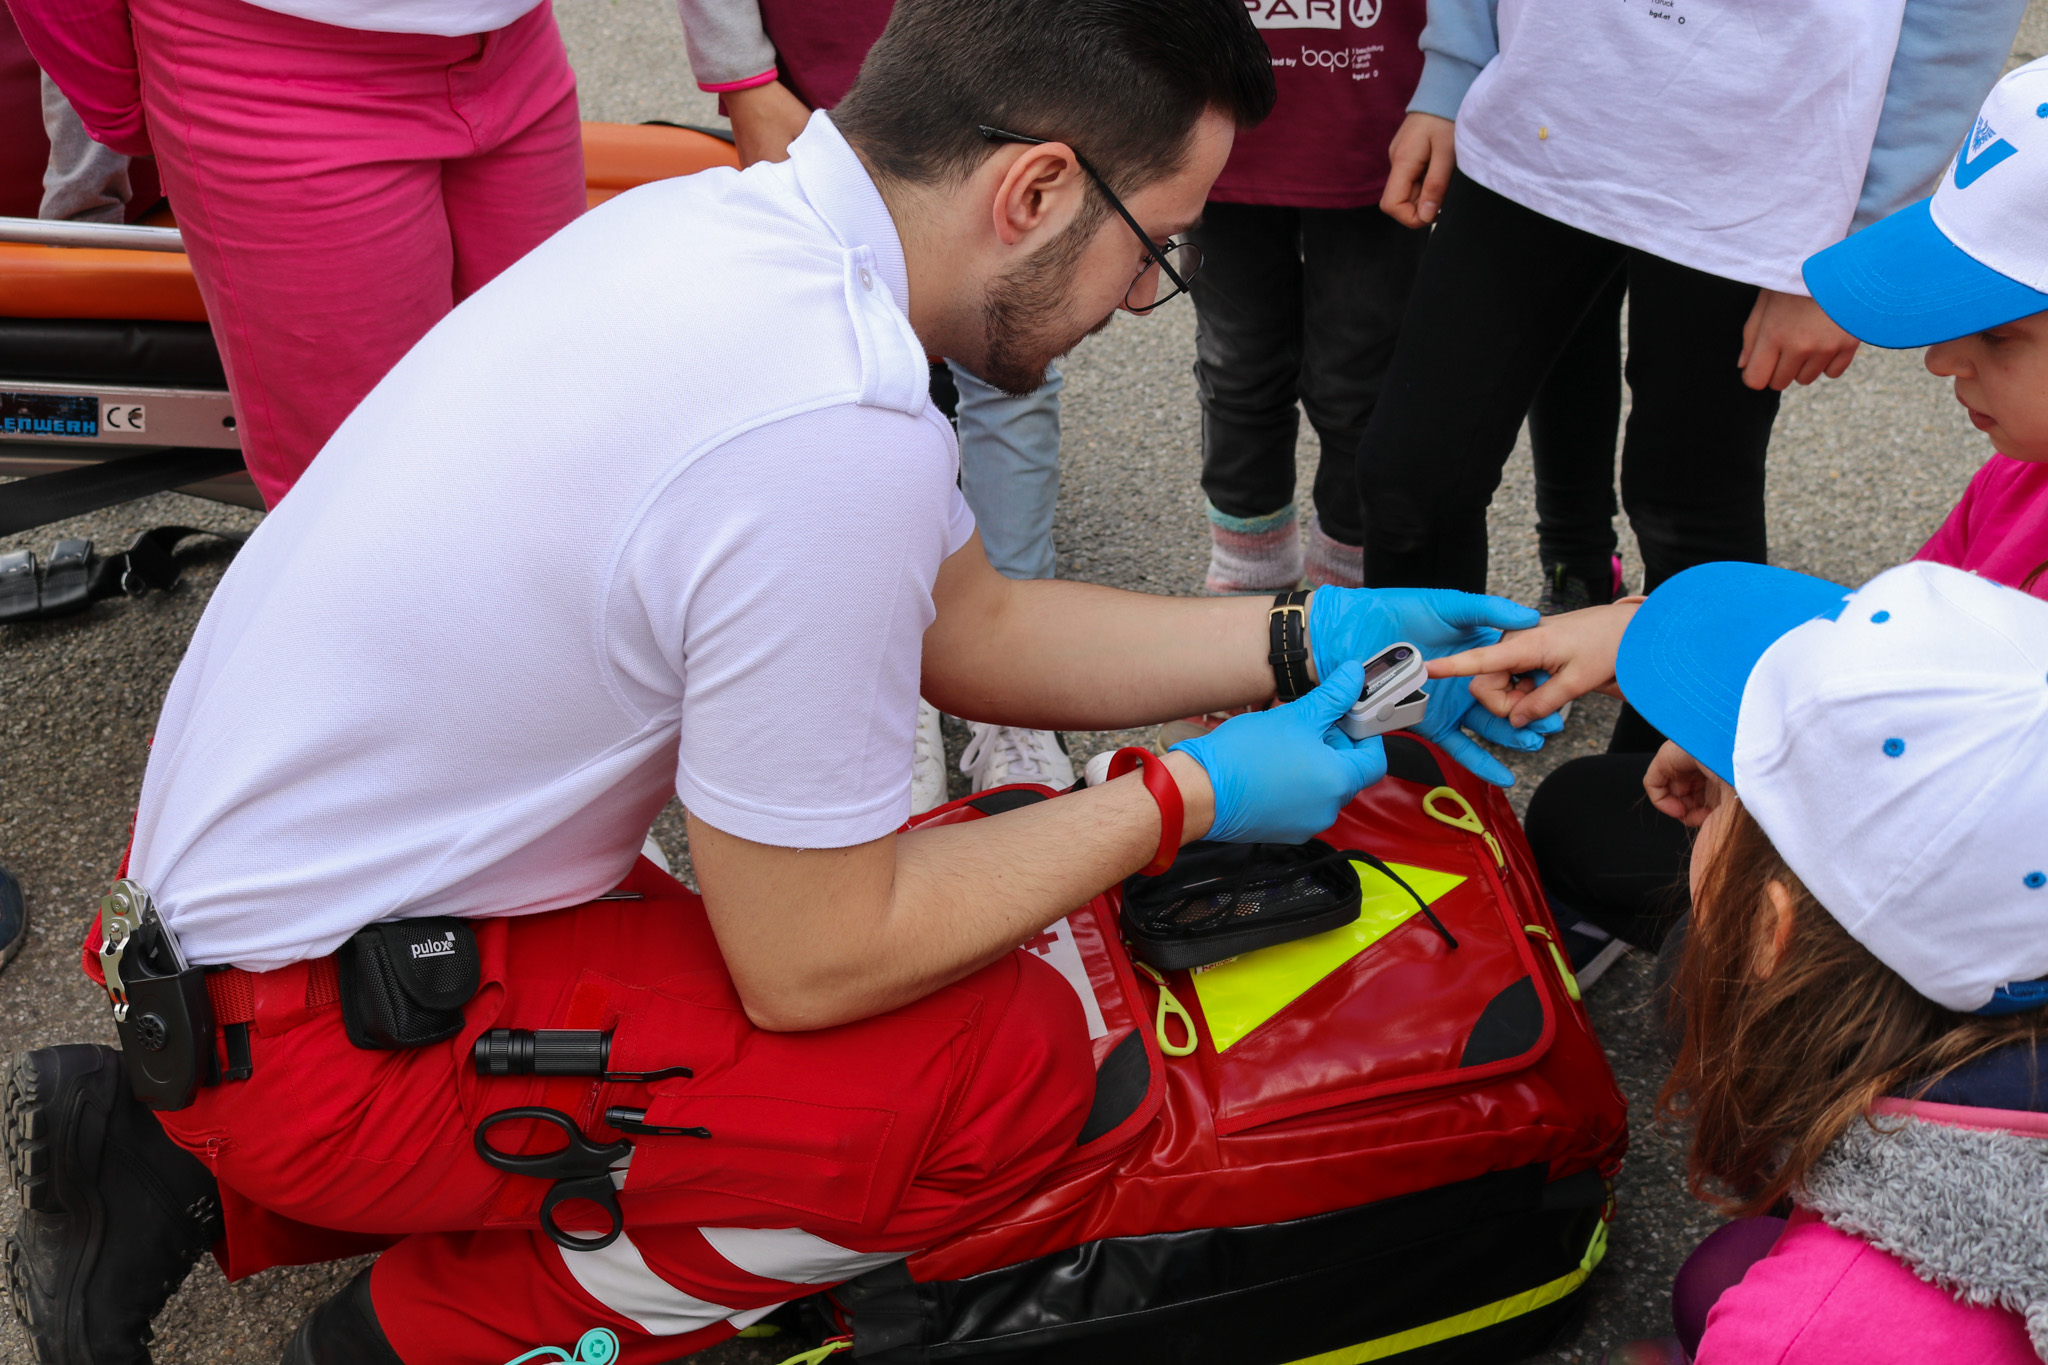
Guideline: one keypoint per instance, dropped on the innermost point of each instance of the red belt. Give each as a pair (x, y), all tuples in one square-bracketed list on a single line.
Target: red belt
[(233, 991)]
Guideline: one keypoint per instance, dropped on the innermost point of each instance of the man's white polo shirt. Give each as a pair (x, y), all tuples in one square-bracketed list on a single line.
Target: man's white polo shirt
[(659, 509)]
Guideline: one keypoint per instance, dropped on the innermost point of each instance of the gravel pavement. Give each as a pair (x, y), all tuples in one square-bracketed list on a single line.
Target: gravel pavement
[(1862, 470)]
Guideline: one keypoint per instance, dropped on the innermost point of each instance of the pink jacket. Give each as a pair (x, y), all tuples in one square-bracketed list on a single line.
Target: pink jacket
[(88, 49), (2000, 528), (1923, 1241)]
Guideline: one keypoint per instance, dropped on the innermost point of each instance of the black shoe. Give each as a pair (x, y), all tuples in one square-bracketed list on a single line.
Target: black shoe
[(13, 917), (342, 1331), (1573, 586), (113, 1213), (1591, 949)]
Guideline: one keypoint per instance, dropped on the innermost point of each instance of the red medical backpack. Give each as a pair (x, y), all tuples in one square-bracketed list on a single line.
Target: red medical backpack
[(1364, 1145)]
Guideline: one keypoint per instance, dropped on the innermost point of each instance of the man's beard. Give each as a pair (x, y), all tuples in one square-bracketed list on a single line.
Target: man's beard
[(1020, 316)]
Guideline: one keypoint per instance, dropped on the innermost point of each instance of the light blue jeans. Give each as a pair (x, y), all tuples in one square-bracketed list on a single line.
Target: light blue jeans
[(1010, 470)]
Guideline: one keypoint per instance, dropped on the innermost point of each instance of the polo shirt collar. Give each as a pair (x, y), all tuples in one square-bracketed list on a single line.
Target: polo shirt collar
[(839, 187)]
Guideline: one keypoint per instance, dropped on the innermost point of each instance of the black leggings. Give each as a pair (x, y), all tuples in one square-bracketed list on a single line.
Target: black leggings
[(1606, 852), (1572, 424), (1501, 293)]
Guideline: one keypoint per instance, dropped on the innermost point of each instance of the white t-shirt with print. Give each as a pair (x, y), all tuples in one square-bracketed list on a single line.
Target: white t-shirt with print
[(658, 510), (1727, 135)]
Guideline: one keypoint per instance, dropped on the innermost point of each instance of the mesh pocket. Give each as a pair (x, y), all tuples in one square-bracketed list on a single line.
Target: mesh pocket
[(1267, 898), (1219, 900), (404, 983)]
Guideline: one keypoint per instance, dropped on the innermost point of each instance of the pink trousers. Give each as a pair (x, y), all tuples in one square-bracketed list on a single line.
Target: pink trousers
[(341, 190)]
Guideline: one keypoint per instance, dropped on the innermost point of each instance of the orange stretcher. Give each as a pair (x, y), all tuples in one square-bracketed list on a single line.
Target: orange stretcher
[(104, 350)]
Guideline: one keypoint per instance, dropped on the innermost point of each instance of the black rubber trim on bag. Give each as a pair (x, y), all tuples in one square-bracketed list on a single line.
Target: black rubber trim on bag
[(1509, 1026), (1275, 1292), (1120, 1085), (1411, 761), (404, 982)]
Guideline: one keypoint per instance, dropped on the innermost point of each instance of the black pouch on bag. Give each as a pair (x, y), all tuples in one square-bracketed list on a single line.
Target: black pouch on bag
[(404, 982), (1219, 900)]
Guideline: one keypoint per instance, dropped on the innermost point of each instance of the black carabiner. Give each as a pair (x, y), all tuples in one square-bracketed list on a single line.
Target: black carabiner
[(580, 1169)]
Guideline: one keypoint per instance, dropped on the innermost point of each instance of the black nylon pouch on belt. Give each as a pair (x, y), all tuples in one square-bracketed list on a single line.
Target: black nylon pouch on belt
[(404, 982)]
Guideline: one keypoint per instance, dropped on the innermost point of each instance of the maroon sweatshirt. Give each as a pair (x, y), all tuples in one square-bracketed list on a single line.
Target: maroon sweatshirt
[(1345, 70)]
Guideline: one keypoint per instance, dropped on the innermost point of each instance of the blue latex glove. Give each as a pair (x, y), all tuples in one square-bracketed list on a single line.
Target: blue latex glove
[(1282, 775), (1357, 623), (1452, 712)]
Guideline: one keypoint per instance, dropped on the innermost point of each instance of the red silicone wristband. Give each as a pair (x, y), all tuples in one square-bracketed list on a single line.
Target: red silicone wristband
[(1165, 792)]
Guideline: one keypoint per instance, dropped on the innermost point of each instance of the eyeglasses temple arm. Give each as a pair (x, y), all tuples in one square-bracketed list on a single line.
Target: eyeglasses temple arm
[(1152, 251)]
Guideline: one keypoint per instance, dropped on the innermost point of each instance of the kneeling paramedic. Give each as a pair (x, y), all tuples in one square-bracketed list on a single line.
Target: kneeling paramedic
[(665, 509)]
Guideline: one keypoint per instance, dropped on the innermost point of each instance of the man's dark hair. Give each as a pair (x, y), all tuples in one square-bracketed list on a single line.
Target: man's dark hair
[(1120, 81)]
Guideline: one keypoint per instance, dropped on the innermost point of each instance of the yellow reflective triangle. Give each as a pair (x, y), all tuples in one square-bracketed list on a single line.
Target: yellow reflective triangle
[(1239, 995)]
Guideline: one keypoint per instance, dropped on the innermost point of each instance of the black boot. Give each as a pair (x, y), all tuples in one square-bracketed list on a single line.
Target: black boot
[(113, 1213), (1573, 586), (342, 1331)]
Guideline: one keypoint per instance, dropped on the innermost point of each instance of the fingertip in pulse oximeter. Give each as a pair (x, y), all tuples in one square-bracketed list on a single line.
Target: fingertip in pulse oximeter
[(1393, 698)]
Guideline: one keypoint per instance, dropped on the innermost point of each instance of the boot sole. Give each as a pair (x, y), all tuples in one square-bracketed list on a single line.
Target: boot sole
[(49, 1094), (36, 1120)]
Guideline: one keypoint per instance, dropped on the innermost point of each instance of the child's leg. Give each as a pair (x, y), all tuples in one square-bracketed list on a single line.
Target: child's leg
[(305, 165), (525, 183), (1010, 470), (1247, 360), (1500, 293), (1606, 852), (1715, 1266), (1358, 266), (1692, 463), (1573, 423)]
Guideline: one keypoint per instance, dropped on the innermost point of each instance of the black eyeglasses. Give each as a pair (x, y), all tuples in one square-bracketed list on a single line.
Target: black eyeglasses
[(1177, 260)]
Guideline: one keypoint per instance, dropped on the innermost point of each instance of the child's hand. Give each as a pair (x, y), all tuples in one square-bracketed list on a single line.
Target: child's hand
[(1789, 339), (1570, 655), (1677, 785), (1419, 160)]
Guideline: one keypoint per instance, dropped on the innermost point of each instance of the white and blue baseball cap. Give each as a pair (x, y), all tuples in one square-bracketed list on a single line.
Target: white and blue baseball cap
[(1973, 256), (1893, 743)]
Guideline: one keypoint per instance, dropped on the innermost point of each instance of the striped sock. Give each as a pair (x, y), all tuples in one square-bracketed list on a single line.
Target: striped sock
[(1253, 554), (1332, 563)]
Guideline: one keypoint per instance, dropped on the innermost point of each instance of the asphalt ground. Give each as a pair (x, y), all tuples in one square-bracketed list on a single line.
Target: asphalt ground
[(1862, 469)]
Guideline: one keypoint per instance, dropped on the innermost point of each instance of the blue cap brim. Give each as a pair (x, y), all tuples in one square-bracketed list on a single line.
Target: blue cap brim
[(1901, 282), (1688, 653)]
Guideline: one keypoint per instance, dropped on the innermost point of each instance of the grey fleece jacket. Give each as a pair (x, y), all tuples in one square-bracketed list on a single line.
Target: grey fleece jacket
[(1964, 1208)]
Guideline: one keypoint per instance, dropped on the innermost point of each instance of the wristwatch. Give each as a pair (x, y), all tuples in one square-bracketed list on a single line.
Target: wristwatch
[(1287, 644)]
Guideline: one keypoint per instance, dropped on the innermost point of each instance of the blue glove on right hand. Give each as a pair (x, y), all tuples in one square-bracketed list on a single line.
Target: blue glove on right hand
[(1281, 776), (1357, 623)]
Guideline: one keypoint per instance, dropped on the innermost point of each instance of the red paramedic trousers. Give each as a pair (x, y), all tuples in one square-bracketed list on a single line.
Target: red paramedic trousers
[(831, 1152)]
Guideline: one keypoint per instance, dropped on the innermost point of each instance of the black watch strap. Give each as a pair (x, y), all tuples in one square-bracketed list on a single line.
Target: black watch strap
[(1287, 644)]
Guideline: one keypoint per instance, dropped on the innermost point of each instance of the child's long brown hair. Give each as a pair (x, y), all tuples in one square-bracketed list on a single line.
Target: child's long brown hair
[(1772, 1069)]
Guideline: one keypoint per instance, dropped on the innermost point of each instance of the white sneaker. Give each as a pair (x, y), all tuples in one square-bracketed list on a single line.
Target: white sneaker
[(998, 754), (928, 765)]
